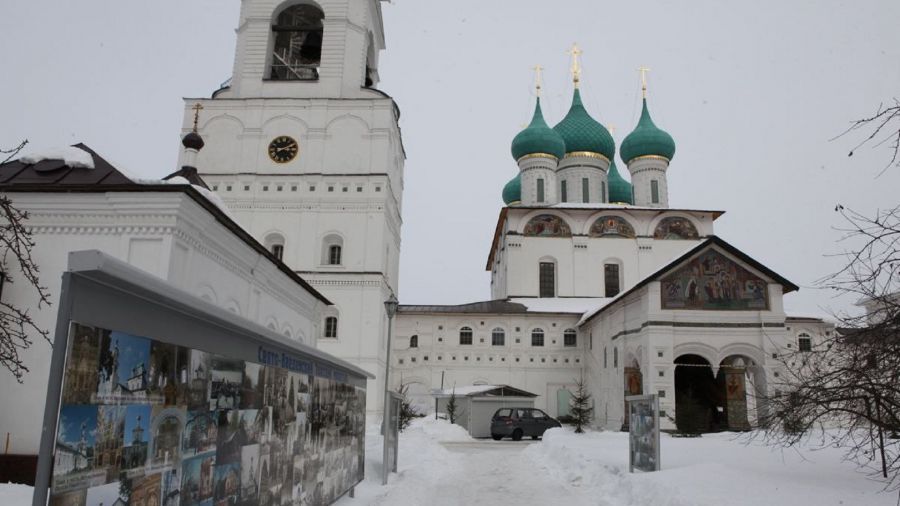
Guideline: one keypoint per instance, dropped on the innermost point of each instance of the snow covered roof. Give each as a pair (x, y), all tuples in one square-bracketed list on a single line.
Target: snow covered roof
[(484, 391), (518, 305), (70, 155)]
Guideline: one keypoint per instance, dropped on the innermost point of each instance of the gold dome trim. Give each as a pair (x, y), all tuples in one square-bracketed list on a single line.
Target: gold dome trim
[(647, 157), (537, 155), (586, 154)]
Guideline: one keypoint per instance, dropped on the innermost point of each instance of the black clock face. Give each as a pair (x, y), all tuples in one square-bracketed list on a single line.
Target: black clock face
[(283, 149)]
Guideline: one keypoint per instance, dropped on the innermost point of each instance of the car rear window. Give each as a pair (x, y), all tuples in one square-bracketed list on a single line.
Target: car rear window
[(504, 412)]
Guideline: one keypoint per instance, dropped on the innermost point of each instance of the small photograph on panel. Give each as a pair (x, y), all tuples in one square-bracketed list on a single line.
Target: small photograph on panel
[(252, 386), (110, 440), (171, 487), (255, 425), (82, 364), (106, 495), (198, 384), (227, 483), (145, 489), (163, 374), (74, 498), (250, 470), (124, 377), (230, 437), (197, 480), (166, 427), (200, 432), (137, 437), (76, 437), (226, 379)]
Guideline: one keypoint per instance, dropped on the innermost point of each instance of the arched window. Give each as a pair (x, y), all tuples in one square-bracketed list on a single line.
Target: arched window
[(675, 228), (498, 337), (275, 244), (570, 338), (547, 279), (333, 250), (615, 357), (465, 335), (548, 225), (612, 279), (537, 337), (414, 341), (611, 226), (297, 51), (331, 327), (804, 342)]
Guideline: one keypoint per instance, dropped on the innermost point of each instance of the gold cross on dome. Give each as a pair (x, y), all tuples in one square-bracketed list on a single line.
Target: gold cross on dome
[(197, 108), (576, 65), (538, 73), (643, 70)]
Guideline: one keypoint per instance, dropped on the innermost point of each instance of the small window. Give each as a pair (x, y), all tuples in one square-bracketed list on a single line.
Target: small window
[(498, 337), (540, 190), (563, 193), (414, 342), (265, 188), (585, 190), (228, 188), (603, 191), (570, 338), (377, 189), (279, 188), (297, 49), (312, 188), (615, 357), (611, 279), (215, 188), (359, 189), (246, 187), (547, 279), (605, 358), (278, 251), (654, 191), (345, 189), (331, 188), (465, 336), (294, 188), (331, 329), (334, 254), (537, 337), (804, 342)]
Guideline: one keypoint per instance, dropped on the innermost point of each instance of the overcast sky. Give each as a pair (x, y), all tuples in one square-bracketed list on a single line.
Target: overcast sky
[(752, 93)]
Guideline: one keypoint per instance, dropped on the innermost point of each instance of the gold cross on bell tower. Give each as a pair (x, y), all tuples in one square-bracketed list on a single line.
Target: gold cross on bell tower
[(197, 108), (643, 70), (538, 74), (576, 65)]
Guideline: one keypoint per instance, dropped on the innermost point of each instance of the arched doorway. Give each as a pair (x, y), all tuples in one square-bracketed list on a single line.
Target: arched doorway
[(741, 382), (699, 396)]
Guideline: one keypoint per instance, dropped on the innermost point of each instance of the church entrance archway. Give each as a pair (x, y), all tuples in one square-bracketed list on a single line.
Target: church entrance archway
[(739, 376), (699, 396)]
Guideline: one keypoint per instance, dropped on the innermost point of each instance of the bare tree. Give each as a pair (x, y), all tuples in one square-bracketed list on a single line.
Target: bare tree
[(879, 129), (850, 382), (16, 243)]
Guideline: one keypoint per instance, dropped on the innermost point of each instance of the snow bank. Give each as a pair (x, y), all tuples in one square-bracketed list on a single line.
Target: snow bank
[(578, 305), (72, 156), (12, 494)]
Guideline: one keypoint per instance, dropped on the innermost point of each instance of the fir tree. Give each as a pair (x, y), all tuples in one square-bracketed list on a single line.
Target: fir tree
[(582, 412), (452, 407), (407, 410)]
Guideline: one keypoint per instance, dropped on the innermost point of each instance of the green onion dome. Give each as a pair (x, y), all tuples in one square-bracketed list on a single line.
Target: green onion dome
[(647, 140), (619, 188), (582, 133), (512, 192), (538, 138)]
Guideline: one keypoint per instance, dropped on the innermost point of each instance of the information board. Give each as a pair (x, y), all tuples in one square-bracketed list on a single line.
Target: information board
[(165, 420), (643, 432)]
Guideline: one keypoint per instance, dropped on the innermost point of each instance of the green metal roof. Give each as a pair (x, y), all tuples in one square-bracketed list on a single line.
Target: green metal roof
[(538, 137), (512, 192), (581, 132), (619, 188), (647, 139)]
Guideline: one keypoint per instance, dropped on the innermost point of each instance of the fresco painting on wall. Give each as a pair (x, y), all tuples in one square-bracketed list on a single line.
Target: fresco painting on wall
[(712, 281), (675, 228), (160, 424), (611, 225), (547, 225)]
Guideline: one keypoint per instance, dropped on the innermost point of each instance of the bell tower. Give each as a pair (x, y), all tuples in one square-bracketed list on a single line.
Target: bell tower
[(306, 153)]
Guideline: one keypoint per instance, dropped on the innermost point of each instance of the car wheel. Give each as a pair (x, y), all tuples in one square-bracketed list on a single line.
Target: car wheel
[(496, 437), (517, 435)]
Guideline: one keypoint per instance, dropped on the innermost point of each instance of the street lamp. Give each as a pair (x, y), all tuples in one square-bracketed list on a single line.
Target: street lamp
[(390, 306)]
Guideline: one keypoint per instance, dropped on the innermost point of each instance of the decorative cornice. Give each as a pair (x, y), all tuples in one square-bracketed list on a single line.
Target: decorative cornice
[(706, 325), (586, 154)]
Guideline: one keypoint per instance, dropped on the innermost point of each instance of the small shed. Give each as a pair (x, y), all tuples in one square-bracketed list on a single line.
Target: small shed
[(476, 404)]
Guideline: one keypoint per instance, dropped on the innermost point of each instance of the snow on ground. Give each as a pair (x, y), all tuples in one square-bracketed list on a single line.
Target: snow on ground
[(441, 465), (15, 495), (72, 156)]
